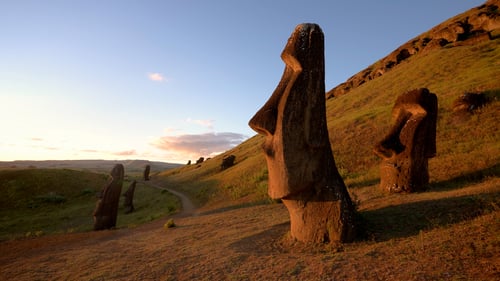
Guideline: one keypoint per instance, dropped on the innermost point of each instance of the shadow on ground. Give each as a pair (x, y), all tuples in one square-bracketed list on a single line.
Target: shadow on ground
[(404, 220)]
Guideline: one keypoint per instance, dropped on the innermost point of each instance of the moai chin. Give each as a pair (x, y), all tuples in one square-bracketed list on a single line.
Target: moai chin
[(300, 162), (410, 142), (106, 210)]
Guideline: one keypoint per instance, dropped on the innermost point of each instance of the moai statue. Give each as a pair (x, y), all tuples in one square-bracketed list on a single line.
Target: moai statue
[(147, 169), (300, 161), (411, 141), (227, 162), (129, 198), (106, 209)]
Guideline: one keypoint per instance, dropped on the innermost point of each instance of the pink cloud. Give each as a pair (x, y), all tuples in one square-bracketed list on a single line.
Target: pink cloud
[(126, 152), (157, 77), (201, 144)]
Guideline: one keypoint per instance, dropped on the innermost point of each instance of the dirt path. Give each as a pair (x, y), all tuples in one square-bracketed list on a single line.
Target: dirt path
[(188, 207)]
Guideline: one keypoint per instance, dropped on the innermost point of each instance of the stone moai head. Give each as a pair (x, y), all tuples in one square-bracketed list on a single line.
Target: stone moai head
[(410, 142), (293, 120), (300, 161), (106, 210)]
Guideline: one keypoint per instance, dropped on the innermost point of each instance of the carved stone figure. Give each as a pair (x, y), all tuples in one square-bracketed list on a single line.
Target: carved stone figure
[(200, 160), (227, 162), (147, 169), (300, 161), (106, 209), (411, 141), (129, 198)]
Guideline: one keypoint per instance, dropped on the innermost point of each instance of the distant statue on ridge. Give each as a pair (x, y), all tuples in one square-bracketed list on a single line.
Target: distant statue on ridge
[(300, 161), (106, 210), (409, 144)]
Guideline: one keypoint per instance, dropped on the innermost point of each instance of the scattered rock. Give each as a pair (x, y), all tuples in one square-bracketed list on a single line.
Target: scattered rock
[(470, 102)]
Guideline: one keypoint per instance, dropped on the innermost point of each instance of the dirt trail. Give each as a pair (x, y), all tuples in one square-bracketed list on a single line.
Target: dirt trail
[(188, 207)]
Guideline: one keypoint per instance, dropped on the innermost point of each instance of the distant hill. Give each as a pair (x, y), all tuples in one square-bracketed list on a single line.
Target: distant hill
[(101, 166), (476, 25)]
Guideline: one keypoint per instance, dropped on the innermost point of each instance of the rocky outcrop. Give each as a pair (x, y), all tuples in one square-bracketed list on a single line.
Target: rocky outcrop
[(471, 27), (409, 144), (128, 204), (300, 162), (469, 103), (106, 210)]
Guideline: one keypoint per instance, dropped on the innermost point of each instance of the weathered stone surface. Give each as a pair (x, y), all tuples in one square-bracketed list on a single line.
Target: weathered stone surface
[(106, 210), (300, 162), (227, 161), (129, 198), (147, 170), (410, 142)]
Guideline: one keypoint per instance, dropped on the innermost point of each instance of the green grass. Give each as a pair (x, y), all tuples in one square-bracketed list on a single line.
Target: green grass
[(44, 201)]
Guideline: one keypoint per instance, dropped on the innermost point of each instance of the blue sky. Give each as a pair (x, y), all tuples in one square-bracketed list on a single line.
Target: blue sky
[(171, 80)]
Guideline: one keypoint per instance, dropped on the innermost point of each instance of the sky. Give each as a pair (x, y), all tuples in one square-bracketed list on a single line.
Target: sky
[(171, 80)]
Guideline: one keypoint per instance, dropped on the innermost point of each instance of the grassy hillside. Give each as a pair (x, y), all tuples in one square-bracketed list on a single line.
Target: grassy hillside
[(40, 201), (468, 149)]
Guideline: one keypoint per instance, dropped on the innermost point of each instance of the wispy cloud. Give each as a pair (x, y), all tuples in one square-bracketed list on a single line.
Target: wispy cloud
[(199, 144), (126, 152), (205, 123), (157, 77), (36, 139), (89, 150)]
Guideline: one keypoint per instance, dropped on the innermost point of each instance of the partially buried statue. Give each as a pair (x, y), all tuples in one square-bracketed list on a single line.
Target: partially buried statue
[(301, 166), (129, 198), (106, 210), (411, 141)]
